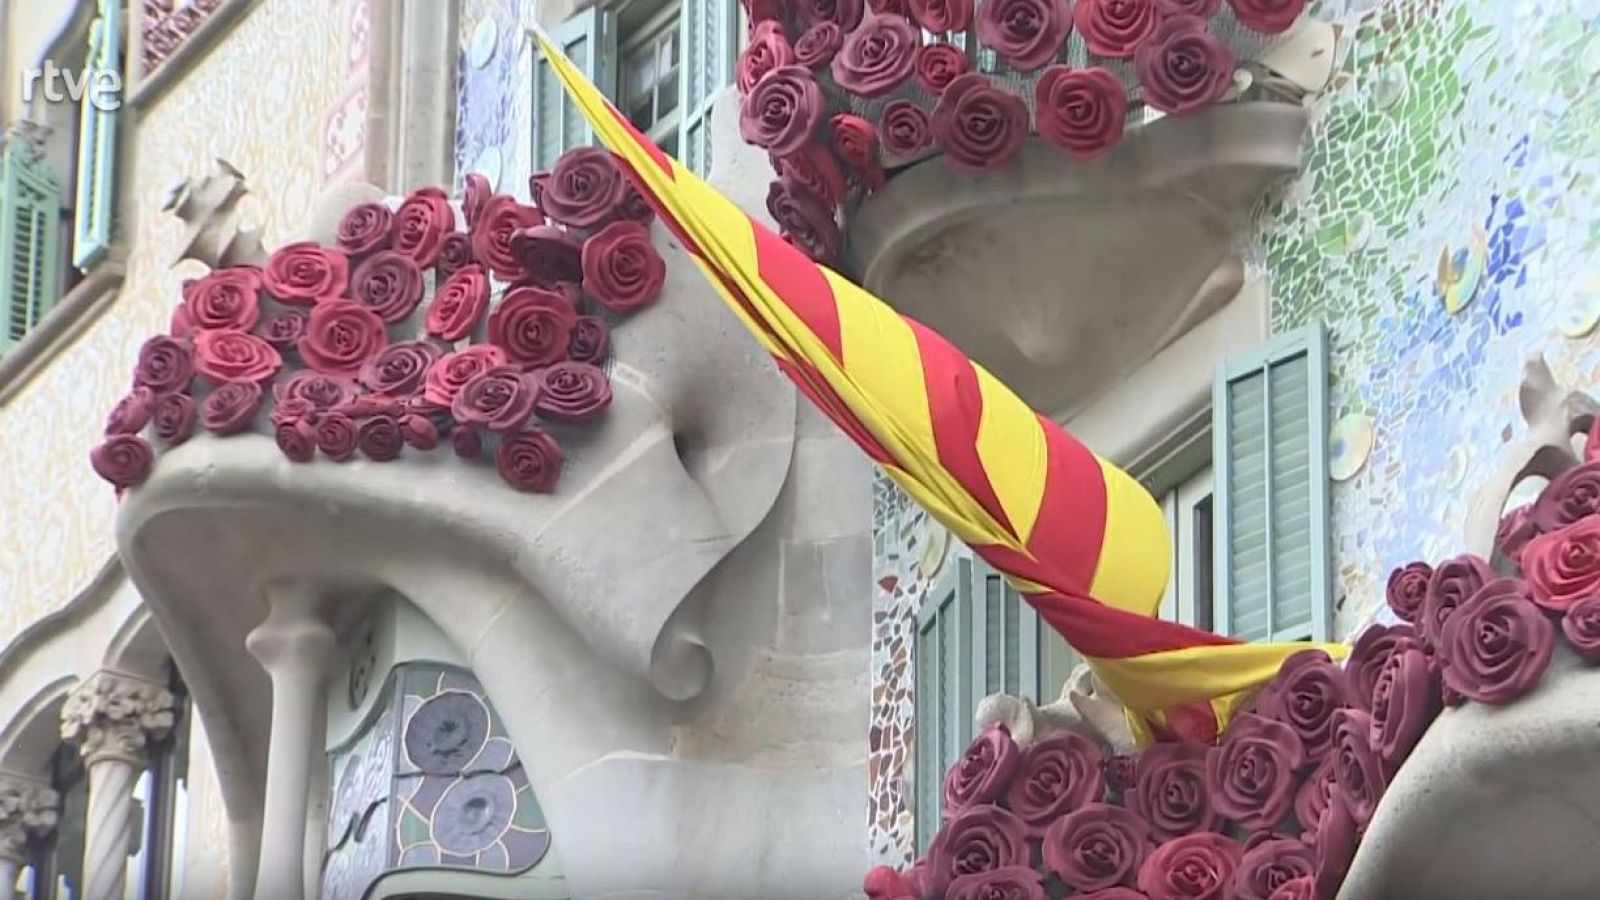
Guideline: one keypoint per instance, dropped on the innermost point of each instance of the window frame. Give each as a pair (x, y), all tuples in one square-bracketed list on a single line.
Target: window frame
[(667, 20)]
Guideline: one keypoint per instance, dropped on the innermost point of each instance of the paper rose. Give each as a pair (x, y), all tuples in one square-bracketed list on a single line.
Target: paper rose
[(1370, 654), (884, 883), (979, 126), (1408, 589), (458, 304), (1182, 66), (1096, 846), (983, 772), (767, 49), (572, 392), (455, 251), (1114, 28), (844, 13), (1081, 111), (165, 365), (1269, 865), (1170, 791), (225, 299), (379, 438), (981, 838), (1205, 9), (389, 283), (588, 341), (905, 128), (1581, 625), (499, 399), (502, 217), (783, 110), (1335, 844), (533, 326), (1027, 34), (296, 439), (336, 436), (804, 219), (816, 168), (1497, 644), (549, 256), (340, 336), (283, 329), (230, 408), (123, 459), (1268, 16), (1517, 527), (302, 273), (529, 460), (1009, 883), (1056, 775), (1311, 798), (1405, 700), (584, 188), (224, 356), (421, 224), (941, 15), (1304, 696), (1251, 774), (475, 194), (1570, 496), (936, 65), (1198, 866), (816, 48), (365, 229), (1453, 581), (1563, 566), (621, 269), (132, 413), (173, 417), (877, 57), (318, 391), (1359, 774), (399, 369), (452, 371), (466, 443), (857, 142)]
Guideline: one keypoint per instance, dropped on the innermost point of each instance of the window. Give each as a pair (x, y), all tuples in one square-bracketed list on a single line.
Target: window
[(648, 88), (57, 870), (97, 144), (1184, 489), (163, 793), (30, 210)]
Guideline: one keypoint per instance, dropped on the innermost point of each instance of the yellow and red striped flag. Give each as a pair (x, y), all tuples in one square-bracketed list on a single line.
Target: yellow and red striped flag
[(1081, 540)]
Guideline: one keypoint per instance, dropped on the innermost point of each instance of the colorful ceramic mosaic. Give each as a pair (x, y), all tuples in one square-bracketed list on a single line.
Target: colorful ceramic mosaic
[(493, 130), (165, 26)]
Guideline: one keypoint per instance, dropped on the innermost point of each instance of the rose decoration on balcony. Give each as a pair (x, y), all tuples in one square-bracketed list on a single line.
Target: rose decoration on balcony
[(1309, 689), (1251, 774), (1199, 866), (1581, 626), (1057, 774), (487, 332), (767, 49), (1359, 774), (1497, 644), (817, 47), (983, 771), (1025, 33), (1311, 798), (1405, 700), (783, 110), (1096, 846), (979, 125), (1407, 589), (906, 129), (1269, 865), (1563, 566), (1115, 28), (1370, 654), (1268, 16), (877, 57), (983, 838), (1335, 842), (1569, 497), (1080, 110), (1453, 581), (1009, 883), (1171, 792), (1517, 528), (936, 65)]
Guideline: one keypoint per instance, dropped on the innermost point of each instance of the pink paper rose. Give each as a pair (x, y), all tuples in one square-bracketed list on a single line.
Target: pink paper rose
[(230, 408), (1304, 696), (982, 838), (452, 371), (340, 336), (1198, 866), (1570, 496), (302, 273), (528, 461), (1027, 34), (225, 299), (1405, 701), (458, 304), (983, 772), (1080, 110), (1453, 581), (390, 283), (1096, 847), (224, 356), (1182, 66), (877, 57), (1497, 644), (1056, 775), (979, 126), (906, 128), (804, 219), (165, 365), (936, 65), (533, 326), (1268, 16), (499, 399), (572, 392), (783, 110), (584, 188), (1269, 865), (1171, 791), (1359, 774), (1563, 566), (1408, 589), (366, 228), (1581, 625), (767, 49), (502, 217), (399, 369), (123, 459), (174, 416), (421, 224), (1251, 774), (621, 269), (1115, 28)]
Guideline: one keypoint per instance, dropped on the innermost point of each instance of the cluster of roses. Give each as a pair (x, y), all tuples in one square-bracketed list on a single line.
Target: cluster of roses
[(909, 63), (408, 332), (1275, 810)]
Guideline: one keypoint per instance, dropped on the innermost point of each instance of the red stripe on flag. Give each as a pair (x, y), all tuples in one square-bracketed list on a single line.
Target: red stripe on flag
[(800, 285), (645, 144), (1095, 629), (1070, 527), (955, 407)]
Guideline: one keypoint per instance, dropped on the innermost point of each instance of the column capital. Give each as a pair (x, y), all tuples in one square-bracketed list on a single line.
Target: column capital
[(28, 809), (114, 716)]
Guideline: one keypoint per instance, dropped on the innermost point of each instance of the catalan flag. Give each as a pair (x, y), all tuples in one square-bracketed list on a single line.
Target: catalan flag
[(1083, 542)]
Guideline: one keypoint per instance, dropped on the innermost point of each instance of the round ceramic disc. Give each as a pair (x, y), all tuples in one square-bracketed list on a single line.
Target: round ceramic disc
[(484, 37), (1349, 445)]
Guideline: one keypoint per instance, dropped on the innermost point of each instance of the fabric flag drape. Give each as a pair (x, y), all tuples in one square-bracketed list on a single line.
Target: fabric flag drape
[(1082, 541)]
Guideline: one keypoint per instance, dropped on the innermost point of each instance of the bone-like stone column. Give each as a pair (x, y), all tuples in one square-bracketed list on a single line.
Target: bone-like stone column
[(28, 809), (112, 718), (295, 645)]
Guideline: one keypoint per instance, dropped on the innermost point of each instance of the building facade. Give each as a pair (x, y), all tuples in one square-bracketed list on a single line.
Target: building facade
[(1304, 330)]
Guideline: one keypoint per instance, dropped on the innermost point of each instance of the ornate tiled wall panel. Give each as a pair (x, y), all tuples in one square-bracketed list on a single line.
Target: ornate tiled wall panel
[(1443, 227), (493, 119), (166, 25)]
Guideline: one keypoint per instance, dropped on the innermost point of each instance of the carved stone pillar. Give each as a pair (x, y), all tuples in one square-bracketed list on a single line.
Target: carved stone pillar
[(28, 809), (112, 718), (295, 645)]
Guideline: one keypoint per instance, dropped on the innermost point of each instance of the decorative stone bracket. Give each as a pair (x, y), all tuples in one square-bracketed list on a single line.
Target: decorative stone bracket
[(28, 810)]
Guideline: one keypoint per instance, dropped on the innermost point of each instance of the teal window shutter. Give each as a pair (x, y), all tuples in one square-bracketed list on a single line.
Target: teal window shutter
[(97, 145), (1270, 445), (710, 44), (1006, 653), (30, 227), (588, 40)]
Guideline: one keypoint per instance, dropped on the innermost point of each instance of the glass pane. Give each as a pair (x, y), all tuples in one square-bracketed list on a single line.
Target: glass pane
[(547, 117), (1013, 608), (640, 74), (993, 637), (669, 47), (669, 144), (667, 94), (1202, 564)]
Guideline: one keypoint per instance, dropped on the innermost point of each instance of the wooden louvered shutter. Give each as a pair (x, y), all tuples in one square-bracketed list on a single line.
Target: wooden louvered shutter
[(709, 32), (97, 144), (30, 228), (558, 125)]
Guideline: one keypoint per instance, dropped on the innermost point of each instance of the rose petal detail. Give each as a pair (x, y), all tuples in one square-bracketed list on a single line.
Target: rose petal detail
[(230, 408), (906, 128), (857, 143), (1198, 866), (1497, 644), (1081, 111), (936, 65), (572, 392), (501, 219), (621, 268), (224, 356), (124, 460), (1563, 566), (1251, 774), (1055, 776), (1097, 846), (165, 365), (390, 283), (767, 49), (583, 189), (174, 417), (979, 126), (379, 438), (533, 326), (783, 110), (1027, 34), (1115, 28), (340, 336), (421, 223), (399, 369), (458, 304), (499, 399), (1182, 66), (225, 299), (529, 461), (804, 219), (877, 57), (302, 273), (365, 229), (1268, 16)]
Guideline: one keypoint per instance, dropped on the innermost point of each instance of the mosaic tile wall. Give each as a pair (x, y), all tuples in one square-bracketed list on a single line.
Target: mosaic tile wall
[(1443, 228), (493, 130)]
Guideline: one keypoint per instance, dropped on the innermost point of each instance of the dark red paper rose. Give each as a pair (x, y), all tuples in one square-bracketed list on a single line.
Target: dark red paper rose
[(399, 369), (533, 326), (589, 340), (455, 252), (1027, 34), (844, 13), (1570, 496), (783, 110), (234, 356), (475, 194), (857, 142), (1081, 111), (165, 365), (1269, 865), (877, 57), (1405, 701), (584, 188), (365, 405), (1205, 9), (1309, 687), (1336, 845), (421, 224), (1115, 28), (1096, 847), (804, 219), (983, 771), (502, 218), (1302, 888), (296, 439), (1057, 774), (340, 336), (419, 432), (1517, 527), (817, 47), (302, 273), (1251, 774), (1312, 796), (941, 15), (1563, 566), (283, 329), (767, 49), (884, 883), (379, 438), (132, 413), (1581, 625), (230, 408), (320, 392), (453, 370), (621, 269), (1267, 16), (905, 128), (1453, 581), (1371, 653), (572, 392), (458, 304), (982, 838), (1010, 883), (366, 228), (225, 299), (936, 65), (1198, 866), (550, 256), (979, 125), (1359, 775), (123, 459), (466, 442), (1182, 66), (174, 416), (336, 436), (528, 461), (390, 283), (1408, 590), (816, 168), (1170, 791), (1497, 644), (499, 399)]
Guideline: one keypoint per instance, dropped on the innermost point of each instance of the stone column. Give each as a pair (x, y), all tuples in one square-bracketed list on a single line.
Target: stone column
[(295, 645), (112, 718), (28, 809)]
